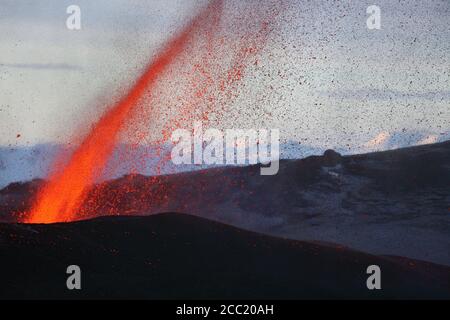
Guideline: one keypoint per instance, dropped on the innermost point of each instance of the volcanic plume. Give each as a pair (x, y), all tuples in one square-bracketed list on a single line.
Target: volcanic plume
[(204, 47)]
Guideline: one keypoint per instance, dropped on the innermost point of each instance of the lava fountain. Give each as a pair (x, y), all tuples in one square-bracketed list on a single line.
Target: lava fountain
[(60, 198), (64, 197)]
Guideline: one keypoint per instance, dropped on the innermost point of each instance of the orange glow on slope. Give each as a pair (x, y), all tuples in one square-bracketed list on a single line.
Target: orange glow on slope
[(61, 198)]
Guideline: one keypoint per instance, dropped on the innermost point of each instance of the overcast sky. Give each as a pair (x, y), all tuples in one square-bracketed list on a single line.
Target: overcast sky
[(344, 85)]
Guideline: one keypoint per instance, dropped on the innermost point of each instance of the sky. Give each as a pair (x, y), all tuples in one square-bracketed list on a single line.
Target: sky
[(336, 84)]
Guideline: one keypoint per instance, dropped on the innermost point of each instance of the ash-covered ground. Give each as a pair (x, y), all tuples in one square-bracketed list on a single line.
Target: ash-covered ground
[(391, 203), (176, 256)]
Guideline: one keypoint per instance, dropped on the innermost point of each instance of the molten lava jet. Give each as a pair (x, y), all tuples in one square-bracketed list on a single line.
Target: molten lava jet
[(61, 199)]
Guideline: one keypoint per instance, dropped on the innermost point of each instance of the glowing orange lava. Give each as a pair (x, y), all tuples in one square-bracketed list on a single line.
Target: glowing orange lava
[(60, 199), (197, 75)]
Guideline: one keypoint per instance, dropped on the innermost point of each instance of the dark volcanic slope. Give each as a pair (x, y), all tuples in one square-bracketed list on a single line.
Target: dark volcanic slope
[(394, 202), (181, 256)]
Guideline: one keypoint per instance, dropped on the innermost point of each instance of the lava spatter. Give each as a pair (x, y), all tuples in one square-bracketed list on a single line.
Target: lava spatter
[(211, 86)]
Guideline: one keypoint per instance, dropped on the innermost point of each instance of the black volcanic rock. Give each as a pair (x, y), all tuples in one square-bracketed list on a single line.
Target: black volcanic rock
[(179, 256), (331, 158), (22, 187), (393, 202)]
